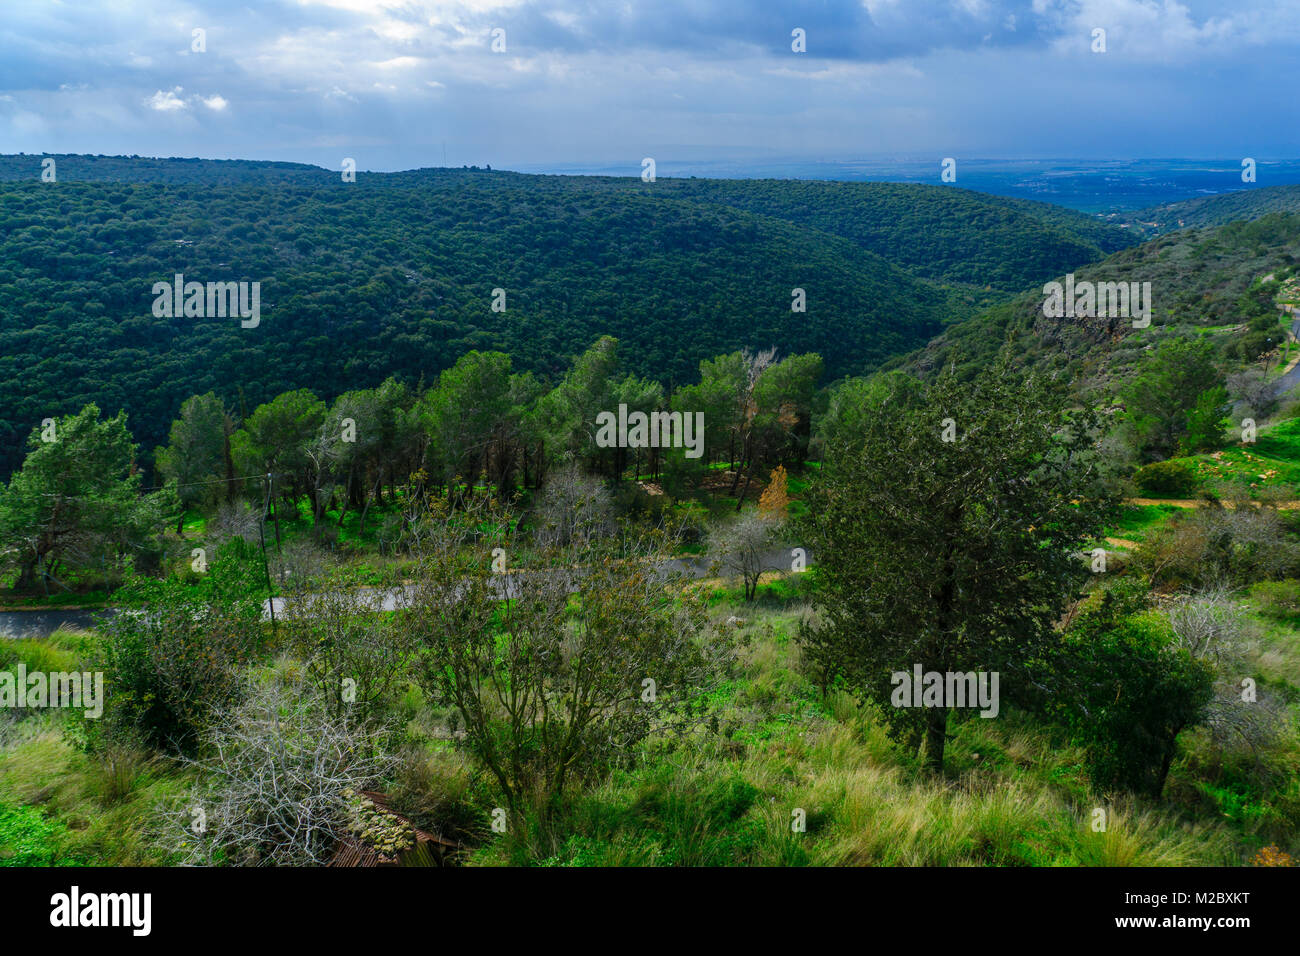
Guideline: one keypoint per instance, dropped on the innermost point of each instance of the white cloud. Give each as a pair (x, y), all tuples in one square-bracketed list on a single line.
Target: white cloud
[(215, 102), (166, 102)]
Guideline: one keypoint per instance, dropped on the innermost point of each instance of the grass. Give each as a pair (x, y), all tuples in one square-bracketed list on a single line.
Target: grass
[(1135, 522), (774, 774), (777, 753), (61, 806), (1270, 464)]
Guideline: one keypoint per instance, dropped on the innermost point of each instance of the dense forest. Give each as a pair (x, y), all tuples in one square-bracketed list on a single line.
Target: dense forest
[(394, 275), (1206, 282), (1239, 206)]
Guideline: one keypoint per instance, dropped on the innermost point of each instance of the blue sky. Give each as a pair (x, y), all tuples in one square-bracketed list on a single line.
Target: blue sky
[(604, 81)]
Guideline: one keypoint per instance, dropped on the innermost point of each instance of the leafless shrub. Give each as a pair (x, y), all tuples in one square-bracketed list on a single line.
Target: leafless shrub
[(1254, 390), (1218, 546), (298, 565), (273, 785), (574, 507), (1210, 625), (234, 519)]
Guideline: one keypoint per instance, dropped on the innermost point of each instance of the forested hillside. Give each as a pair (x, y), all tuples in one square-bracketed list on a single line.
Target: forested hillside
[(1242, 205), (395, 275), (1200, 278)]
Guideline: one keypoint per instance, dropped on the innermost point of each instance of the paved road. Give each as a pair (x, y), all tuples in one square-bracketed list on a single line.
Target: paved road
[(43, 623), (1289, 380)]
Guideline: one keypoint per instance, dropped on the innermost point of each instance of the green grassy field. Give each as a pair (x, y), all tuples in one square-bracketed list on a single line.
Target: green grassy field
[(770, 750)]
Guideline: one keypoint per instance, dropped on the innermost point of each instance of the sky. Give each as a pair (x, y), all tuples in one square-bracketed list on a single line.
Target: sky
[(399, 85)]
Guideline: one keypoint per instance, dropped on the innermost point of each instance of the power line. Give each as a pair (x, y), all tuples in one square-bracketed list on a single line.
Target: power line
[(186, 484)]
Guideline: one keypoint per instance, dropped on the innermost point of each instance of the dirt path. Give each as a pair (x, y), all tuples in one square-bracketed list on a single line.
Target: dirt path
[(1195, 503)]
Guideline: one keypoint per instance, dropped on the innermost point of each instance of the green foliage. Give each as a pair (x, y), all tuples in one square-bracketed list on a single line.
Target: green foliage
[(27, 838), (197, 456), (552, 684), (1135, 692), (906, 525), (1237, 206), (76, 501), (169, 664), (1198, 279), (1206, 422), (681, 272), (1179, 381), (1171, 479)]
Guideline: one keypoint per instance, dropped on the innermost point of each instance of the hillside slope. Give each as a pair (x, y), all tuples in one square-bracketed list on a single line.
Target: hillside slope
[(394, 275), (1239, 206), (1197, 278)]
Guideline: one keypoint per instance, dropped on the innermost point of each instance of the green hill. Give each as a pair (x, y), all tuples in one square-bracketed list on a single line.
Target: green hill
[(394, 275), (1198, 278), (1241, 205)]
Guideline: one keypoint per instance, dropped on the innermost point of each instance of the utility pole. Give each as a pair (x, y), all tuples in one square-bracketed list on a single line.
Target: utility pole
[(266, 566)]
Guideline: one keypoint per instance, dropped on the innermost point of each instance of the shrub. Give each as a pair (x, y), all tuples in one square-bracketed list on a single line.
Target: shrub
[(167, 666), (1173, 479), (279, 786)]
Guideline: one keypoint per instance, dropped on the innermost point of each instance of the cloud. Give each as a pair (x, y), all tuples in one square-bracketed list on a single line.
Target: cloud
[(167, 101), (590, 80)]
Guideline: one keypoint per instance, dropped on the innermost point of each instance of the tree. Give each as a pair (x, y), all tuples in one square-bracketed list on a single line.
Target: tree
[(1138, 689), (957, 555), (1206, 422), (466, 412), (352, 653), (567, 414), (76, 501), (198, 452), (572, 509), (275, 439), (1165, 392), (582, 662), (1254, 389), (774, 502), (746, 547)]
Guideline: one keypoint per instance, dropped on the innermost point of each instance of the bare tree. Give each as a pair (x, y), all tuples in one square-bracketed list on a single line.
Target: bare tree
[(1210, 626), (1254, 390), (747, 547), (574, 507), (234, 519)]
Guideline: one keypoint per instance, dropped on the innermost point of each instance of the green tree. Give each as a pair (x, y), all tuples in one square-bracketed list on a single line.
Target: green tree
[(1206, 422), (1159, 401), (76, 500), (275, 439), (959, 554), (573, 672), (1131, 690), (467, 412), (198, 452)]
